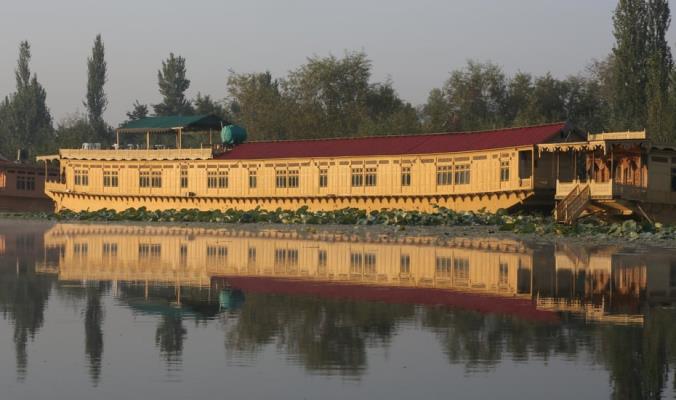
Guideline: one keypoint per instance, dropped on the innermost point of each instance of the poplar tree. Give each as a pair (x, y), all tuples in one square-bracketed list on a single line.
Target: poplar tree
[(660, 64), (630, 59), (173, 83), (97, 101), (26, 116)]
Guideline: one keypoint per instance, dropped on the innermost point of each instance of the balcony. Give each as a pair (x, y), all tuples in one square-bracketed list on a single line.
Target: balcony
[(602, 190)]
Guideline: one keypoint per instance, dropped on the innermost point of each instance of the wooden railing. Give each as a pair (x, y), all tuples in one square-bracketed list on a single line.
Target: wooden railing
[(158, 154), (573, 204)]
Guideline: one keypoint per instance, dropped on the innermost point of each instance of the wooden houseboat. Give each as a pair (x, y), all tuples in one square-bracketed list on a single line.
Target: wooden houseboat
[(22, 187), (491, 170)]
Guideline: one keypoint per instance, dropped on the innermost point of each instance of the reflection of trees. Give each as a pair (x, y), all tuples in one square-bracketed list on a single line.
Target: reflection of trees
[(169, 337), (23, 298), (323, 335), (93, 320)]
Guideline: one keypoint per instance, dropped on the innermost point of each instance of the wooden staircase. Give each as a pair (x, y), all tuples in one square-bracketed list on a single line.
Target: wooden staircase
[(571, 207)]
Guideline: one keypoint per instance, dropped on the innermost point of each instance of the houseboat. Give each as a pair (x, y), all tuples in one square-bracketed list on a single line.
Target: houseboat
[(22, 187), (535, 166)]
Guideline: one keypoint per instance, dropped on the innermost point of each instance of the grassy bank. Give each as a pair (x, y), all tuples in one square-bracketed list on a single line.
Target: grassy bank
[(526, 224)]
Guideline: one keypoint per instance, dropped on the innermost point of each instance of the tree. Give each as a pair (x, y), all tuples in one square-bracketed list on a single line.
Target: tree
[(630, 60), (436, 115), (206, 105), (25, 114), (256, 103), (74, 130), (660, 64), (139, 111), (476, 96), (173, 83), (328, 95), (96, 101)]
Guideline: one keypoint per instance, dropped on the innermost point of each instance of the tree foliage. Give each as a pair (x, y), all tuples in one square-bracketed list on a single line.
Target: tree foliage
[(138, 111), (173, 83), (24, 114), (96, 101)]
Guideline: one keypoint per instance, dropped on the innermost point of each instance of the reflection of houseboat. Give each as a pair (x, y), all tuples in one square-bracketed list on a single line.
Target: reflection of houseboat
[(487, 275), (462, 171)]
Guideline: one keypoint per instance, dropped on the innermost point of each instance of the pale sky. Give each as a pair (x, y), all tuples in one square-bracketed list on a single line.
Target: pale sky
[(414, 42)]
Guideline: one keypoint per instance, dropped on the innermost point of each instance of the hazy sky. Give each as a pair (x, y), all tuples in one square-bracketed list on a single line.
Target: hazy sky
[(414, 42)]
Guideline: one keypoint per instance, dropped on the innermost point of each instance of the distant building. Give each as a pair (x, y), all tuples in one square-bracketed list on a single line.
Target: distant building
[(505, 168), (22, 187)]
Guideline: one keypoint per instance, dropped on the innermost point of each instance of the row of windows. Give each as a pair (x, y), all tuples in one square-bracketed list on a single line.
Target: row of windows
[(360, 263), (446, 175)]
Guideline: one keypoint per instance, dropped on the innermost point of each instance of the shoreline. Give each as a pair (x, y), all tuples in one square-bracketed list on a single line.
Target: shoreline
[(440, 234)]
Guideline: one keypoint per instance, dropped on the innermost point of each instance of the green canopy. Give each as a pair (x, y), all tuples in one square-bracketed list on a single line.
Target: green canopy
[(173, 123)]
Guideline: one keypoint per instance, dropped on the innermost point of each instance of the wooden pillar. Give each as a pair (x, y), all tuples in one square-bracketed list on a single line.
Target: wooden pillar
[(117, 138), (46, 170), (593, 166), (148, 140), (210, 138)]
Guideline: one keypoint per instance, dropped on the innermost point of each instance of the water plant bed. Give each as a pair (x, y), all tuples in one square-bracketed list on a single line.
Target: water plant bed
[(535, 224)]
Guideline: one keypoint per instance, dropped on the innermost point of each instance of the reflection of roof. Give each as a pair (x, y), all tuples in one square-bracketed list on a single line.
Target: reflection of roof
[(166, 124), (397, 145), (518, 307)]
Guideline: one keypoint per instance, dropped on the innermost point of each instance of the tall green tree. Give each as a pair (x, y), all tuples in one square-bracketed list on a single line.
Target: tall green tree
[(96, 101), (630, 61), (173, 83), (25, 114), (660, 64), (436, 116)]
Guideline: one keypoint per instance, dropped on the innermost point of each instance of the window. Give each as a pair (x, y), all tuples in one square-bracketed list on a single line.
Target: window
[(461, 174), (293, 178), (323, 178), (369, 263), (405, 264), (673, 179), (212, 179), (357, 177), (443, 267), (217, 179), (80, 248), (251, 256), (461, 269), (146, 250), (280, 178), (184, 178), (356, 263), (109, 249), (144, 179), (504, 274), (81, 177), (504, 170), (183, 254), (321, 259), (217, 252), (405, 176), (156, 179), (253, 179), (285, 258), (444, 176), (110, 179), (222, 179), (370, 177), (24, 182)]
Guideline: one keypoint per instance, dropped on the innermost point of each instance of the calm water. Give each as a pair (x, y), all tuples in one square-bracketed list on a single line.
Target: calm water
[(115, 311)]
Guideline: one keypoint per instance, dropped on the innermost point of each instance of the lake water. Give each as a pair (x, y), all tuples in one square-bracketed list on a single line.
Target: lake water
[(127, 311)]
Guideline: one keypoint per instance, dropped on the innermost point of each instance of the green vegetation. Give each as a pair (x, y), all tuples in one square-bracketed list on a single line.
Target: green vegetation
[(634, 87), (501, 221)]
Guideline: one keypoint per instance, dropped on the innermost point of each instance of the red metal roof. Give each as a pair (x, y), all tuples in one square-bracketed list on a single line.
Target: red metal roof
[(396, 145)]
